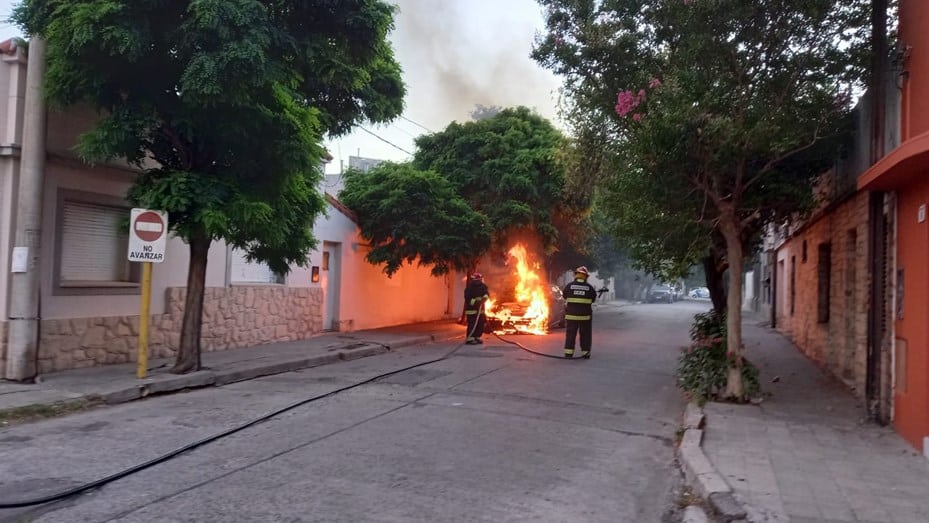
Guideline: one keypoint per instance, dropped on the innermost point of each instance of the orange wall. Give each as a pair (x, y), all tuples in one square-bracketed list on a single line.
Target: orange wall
[(911, 398), (914, 21)]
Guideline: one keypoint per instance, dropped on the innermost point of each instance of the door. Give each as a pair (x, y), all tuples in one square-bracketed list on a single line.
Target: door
[(332, 283)]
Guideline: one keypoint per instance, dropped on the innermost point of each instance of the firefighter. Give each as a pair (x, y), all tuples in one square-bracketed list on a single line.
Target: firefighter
[(579, 296), (476, 294)]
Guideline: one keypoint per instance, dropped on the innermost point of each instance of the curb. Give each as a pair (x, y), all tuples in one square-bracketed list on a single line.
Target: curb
[(699, 471), (218, 378)]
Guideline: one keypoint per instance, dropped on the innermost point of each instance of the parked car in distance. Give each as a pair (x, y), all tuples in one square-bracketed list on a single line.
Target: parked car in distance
[(660, 293), (700, 292)]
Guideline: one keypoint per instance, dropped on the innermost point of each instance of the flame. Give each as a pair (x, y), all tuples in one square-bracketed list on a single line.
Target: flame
[(531, 295)]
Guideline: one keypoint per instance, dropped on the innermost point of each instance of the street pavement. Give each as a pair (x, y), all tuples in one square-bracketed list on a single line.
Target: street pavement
[(807, 453), (118, 383), (492, 433)]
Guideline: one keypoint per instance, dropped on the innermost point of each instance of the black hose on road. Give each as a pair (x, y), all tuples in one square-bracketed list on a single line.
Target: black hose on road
[(209, 439)]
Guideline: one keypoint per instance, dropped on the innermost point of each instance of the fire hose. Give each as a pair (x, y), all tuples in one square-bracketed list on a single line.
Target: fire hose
[(79, 489)]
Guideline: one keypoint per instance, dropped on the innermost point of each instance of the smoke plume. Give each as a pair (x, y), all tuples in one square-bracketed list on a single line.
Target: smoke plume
[(460, 53)]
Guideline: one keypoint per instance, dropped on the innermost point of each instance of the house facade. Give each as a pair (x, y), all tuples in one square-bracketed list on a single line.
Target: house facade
[(87, 295), (822, 275), (902, 175), (851, 283)]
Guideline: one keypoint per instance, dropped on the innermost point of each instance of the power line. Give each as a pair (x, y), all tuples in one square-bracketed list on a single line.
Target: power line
[(402, 130), (395, 146), (417, 124)]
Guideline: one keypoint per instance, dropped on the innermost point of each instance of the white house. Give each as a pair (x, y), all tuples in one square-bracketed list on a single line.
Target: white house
[(78, 303)]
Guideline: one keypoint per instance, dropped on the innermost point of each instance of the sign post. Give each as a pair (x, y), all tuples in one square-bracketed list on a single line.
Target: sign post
[(148, 232)]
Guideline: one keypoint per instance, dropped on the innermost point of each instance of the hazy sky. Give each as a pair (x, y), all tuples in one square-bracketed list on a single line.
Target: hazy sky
[(454, 54)]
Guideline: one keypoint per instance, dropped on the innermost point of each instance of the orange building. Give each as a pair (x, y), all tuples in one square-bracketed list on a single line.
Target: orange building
[(904, 172)]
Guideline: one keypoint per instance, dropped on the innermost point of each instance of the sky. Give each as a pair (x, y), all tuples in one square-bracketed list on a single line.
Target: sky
[(454, 54)]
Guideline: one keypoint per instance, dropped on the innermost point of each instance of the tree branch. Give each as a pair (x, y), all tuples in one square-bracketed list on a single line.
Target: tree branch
[(774, 161), (182, 149)]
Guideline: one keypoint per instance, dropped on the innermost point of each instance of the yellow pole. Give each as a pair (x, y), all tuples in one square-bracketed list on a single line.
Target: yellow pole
[(142, 369)]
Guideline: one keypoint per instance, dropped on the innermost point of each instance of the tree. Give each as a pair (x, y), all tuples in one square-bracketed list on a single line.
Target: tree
[(651, 221), (483, 112), (507, 168), (230, 99), (410, 216), (738, 102)]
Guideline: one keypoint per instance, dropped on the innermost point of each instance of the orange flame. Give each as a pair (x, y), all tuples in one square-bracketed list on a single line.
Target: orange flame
[(531, 296)]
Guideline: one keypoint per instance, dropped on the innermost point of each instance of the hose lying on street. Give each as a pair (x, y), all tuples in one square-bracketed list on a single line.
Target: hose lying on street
[(527, 349), (209, 439)]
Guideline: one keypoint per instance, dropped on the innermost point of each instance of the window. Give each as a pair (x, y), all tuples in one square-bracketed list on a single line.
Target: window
[(825, 274), (250, 272), (91, 244), (803, 254), (793, 284)]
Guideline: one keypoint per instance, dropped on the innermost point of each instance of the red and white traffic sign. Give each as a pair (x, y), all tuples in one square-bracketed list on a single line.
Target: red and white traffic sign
[(148, 233)]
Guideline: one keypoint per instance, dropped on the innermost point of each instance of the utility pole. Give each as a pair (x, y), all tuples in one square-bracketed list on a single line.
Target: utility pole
[(23, 339)]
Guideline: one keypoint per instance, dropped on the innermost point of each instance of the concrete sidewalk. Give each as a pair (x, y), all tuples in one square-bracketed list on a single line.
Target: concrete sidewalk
[(118, 384), (807, 452)]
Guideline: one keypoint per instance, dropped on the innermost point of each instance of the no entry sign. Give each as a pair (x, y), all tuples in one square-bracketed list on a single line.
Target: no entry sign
[(148, 232)]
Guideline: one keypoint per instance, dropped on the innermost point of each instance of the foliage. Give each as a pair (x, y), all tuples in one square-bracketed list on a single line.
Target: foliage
[(703, 369), (223, 105), (734, 105), (411, 215), (708, 325), (507, 168), (703, 366)]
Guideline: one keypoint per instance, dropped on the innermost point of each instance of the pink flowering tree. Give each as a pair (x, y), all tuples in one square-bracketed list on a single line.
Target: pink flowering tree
[(715, 115)]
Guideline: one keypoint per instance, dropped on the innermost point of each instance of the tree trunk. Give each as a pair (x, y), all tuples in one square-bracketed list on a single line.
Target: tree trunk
[(729, 226), (188, 353), (714, 282)]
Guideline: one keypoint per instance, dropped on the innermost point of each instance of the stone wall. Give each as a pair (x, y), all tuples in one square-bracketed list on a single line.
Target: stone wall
[(840, 344), (232, 317)]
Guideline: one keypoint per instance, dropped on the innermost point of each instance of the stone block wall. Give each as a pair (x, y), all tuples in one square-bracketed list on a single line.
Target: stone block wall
[(840, 344), (232, 317)]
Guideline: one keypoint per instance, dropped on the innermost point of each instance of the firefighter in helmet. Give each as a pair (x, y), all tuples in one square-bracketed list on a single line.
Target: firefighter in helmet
[(476, 294), (579, 298)]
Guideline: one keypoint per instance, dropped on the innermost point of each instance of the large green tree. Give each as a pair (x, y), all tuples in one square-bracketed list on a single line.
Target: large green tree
[(417, 216), (471, 190), (727, 100), (506, 167), (230, 100)]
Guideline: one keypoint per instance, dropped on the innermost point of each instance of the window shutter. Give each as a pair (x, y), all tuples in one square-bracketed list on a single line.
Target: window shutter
[(244, 271), (93, 243)]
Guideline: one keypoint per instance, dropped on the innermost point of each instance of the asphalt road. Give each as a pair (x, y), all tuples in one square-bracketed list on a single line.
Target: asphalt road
[(490, 434)]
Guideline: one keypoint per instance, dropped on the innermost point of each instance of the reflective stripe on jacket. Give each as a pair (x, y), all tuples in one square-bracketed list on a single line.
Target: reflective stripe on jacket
[(579, 298)]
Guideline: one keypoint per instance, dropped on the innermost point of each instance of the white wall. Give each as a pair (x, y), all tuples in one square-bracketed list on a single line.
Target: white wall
[(368, 298), (782, 275), (12, 98), (748, 290)]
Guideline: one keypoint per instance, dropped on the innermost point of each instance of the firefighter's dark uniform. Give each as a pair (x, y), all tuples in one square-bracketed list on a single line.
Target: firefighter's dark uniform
[(476, 294), (579, 297)]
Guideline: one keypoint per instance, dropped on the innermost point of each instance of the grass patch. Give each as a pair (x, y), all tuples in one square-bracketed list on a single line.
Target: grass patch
[(38, 412)]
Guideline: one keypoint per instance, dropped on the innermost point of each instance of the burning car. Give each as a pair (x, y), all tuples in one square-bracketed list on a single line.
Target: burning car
[(531, 307), (516, 318)]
